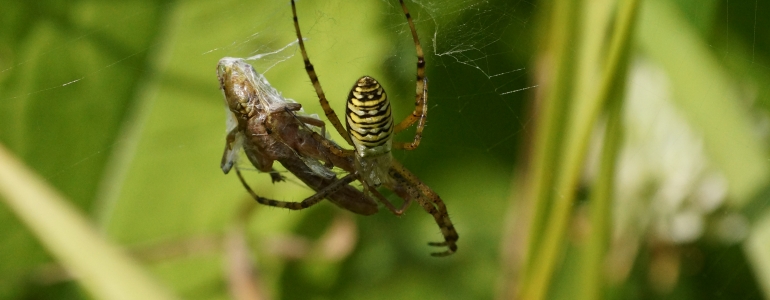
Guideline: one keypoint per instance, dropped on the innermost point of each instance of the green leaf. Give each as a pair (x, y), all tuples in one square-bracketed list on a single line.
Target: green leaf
[(707, 97)]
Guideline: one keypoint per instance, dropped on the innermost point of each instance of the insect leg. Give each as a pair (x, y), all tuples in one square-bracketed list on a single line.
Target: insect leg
[(310, 201)]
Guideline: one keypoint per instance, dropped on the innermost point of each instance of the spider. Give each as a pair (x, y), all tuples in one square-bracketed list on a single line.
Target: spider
[(369, 129), (261, 122)]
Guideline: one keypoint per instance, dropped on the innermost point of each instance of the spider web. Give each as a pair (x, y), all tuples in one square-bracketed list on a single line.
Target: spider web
[(95, 98), (468, 42), (478, 80), (476, 65), (88, 98)]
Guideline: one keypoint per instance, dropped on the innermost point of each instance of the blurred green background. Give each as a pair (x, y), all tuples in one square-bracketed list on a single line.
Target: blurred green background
[(116, 105)]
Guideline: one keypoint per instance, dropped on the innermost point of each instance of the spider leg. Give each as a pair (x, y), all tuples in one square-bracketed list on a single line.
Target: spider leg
[(321, 137), (328, 145), (421, 92), (447, 229), (410, 185), (421, 110), (311, 121), (310, 201), (330, 114), (390, 206)]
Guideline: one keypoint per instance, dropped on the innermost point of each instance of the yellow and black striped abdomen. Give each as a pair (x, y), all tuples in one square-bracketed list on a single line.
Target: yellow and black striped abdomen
[(369, 121)]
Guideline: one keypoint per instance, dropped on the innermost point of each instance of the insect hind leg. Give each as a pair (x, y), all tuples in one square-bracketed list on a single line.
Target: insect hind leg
[(308, 202)]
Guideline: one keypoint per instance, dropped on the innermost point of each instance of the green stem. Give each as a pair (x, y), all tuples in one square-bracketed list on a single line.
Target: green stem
[(99, 266), (594, 251), (581, 121), (549, 111)]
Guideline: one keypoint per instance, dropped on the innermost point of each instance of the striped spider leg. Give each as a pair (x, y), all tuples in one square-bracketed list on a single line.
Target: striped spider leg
[(369, 129), (256, 114)]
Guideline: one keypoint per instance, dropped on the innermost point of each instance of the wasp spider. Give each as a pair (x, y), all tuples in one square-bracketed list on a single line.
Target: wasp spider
[(370, 129)]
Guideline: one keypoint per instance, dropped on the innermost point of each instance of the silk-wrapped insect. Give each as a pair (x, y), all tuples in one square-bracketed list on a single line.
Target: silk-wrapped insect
[(267, 127)]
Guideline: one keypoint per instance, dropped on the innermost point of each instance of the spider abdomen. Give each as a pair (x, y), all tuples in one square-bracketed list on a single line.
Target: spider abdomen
[(369, 119)]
